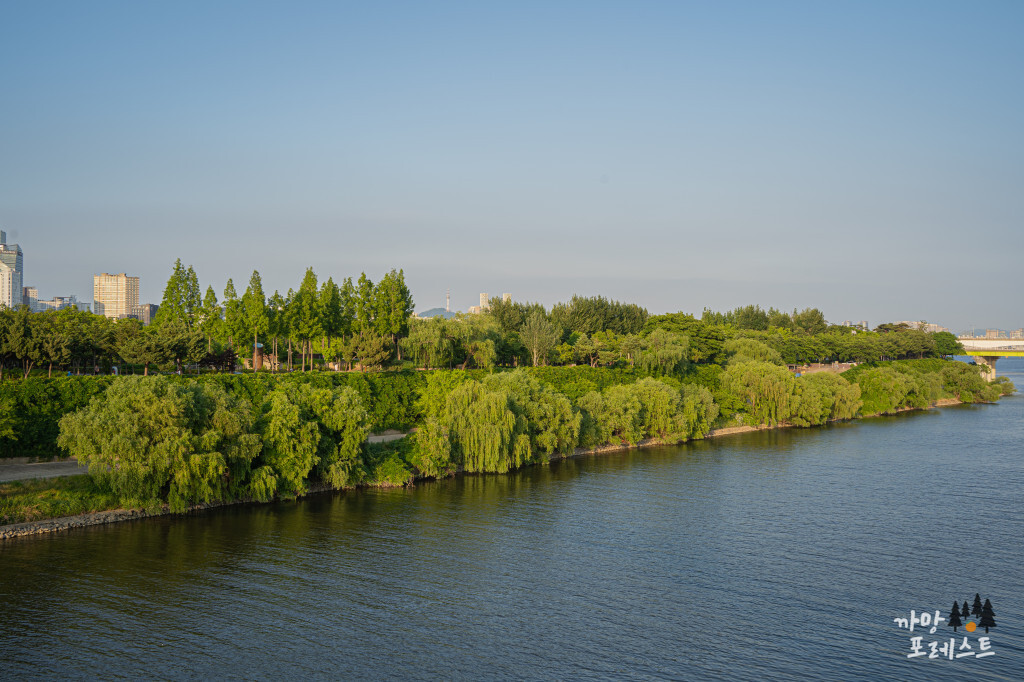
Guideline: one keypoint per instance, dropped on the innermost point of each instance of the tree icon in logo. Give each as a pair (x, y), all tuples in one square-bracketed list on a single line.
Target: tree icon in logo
[(976, 606), (987, 616), (966, 612), (954, 617)]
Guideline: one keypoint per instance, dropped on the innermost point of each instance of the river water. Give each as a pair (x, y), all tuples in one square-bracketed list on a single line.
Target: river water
[(770, 555)]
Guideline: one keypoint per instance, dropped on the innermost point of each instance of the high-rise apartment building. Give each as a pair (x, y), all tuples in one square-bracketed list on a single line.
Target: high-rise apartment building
[(115, 296), (485, 301), (11, 273)]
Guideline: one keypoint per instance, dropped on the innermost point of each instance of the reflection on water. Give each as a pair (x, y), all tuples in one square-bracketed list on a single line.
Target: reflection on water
[(761, 555)]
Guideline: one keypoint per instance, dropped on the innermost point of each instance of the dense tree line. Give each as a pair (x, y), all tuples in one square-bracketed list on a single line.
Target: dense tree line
[(346, 324)]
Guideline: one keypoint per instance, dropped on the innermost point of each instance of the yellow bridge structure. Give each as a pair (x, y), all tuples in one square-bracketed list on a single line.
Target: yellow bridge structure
[(987, 351)]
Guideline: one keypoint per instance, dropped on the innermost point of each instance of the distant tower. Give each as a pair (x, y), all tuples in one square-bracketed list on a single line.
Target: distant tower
[(506, 298), (11, 273), (448, 301)]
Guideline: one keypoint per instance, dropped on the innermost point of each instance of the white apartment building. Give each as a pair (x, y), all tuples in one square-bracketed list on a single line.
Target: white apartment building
[(11, 273), (115, 296)]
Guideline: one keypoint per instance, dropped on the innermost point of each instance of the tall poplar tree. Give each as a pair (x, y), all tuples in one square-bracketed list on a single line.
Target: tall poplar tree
[(394, 306), (304, 314), (331, 322), (364, 305), (254, 311), (232, 312), (210, 318), (278, 322)]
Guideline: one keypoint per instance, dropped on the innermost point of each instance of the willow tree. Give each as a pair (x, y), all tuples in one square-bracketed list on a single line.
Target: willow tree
[(486, 433), (551, 423), (313, 432), (151, 440), (765, 389)]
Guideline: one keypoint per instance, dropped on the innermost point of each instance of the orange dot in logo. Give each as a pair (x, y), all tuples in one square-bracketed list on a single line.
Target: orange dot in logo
[(970, 627)]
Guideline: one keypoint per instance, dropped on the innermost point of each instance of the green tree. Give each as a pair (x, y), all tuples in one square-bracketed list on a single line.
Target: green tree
[(149, 439), (304, 314), (539, 336), (331, 313), (947, 344), (233, 315), (364, 303), (809, 321), (394, 306), (665, 352), (211, 318), (254, 311), (766, 390), (311, 431)]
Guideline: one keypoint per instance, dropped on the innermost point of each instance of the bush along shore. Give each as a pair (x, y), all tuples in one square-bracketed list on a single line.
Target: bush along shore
[(170, 445)]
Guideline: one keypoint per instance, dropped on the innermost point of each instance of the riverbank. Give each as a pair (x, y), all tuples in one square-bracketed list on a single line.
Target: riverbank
[(94, 518)]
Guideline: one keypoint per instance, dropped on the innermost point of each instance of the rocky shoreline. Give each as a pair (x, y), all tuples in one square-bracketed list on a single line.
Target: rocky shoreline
[(118, 515)]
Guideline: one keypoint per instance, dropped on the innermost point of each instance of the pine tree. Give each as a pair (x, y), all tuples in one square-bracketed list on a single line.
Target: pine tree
[(976, 606), (987, 616), (954, 617), (965, 613)]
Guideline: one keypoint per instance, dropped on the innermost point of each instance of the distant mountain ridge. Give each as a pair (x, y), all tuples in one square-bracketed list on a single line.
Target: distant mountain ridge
[(437, 312)]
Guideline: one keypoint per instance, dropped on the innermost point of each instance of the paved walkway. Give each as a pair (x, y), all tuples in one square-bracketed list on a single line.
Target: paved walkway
[(22, 471)]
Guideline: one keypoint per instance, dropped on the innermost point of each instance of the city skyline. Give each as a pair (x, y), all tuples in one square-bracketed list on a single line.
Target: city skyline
[(134, 308), (864, 160)]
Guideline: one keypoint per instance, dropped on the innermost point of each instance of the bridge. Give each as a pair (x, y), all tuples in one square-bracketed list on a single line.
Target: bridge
[(987, 351)]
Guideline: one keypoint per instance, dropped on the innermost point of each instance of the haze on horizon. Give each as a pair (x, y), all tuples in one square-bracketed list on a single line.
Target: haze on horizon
[(863, 158)]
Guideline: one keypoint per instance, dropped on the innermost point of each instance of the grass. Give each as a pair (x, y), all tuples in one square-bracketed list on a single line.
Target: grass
[(48, 498)]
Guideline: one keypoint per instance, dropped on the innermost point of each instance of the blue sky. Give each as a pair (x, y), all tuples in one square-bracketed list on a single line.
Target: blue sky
[(865, 158)]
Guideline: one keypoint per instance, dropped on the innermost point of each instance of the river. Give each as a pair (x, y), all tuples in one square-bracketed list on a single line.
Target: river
[(768, 555)]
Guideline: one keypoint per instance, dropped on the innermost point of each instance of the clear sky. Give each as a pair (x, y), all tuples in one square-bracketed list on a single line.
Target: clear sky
[(866, 158)]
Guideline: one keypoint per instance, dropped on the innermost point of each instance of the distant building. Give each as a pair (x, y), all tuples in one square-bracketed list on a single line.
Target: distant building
[(992, 333), (485, 301), (1017, 334), (145, 312), (56, 303), (506, 298), (923, 326), (11, 273), (115, 296), (29, 296)]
